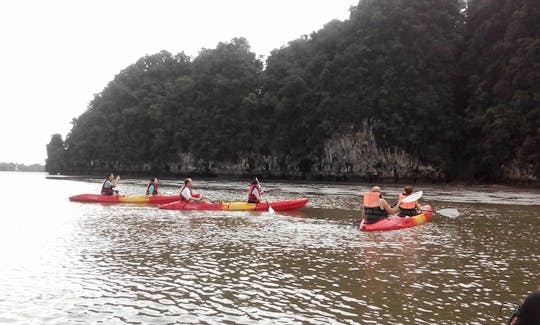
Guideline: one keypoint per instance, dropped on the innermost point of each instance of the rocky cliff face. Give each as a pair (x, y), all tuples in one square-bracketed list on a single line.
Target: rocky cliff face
[(350, 154)]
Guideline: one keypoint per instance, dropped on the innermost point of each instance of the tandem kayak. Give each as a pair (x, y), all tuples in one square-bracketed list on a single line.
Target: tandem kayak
[(142, 199), (236, 206), (395, 222)]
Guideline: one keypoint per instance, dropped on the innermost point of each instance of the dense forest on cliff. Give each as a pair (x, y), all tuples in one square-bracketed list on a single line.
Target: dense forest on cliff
[(440, 89)]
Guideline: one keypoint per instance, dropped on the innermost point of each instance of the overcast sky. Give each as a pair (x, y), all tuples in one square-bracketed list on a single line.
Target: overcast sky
[(56, 54)]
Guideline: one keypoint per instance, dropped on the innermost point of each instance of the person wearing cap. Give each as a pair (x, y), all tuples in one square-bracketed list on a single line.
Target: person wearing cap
[(408, 208), (255, 192), (375, 207)]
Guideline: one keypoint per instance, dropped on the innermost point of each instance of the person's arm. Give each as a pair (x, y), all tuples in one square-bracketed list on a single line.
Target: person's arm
[(115, 180), (388, 208)]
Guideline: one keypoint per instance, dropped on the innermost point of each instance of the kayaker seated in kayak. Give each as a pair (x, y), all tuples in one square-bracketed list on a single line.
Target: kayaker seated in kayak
[(152, 188), (186, 194), (528, 313), (411, 208), (255, 192), (375, 207), (109, 184)]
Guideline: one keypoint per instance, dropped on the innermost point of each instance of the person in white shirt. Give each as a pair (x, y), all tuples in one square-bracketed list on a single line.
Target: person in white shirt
[(186, 194)]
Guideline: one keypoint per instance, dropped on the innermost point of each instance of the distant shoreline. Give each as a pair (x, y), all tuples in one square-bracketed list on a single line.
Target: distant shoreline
[(16, 167), (351, 181)]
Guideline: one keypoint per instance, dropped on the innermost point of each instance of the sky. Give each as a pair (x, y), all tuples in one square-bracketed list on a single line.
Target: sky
[(56, 54)]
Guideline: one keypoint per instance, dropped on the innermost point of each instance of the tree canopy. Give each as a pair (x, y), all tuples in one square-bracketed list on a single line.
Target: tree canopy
[(454, 84)]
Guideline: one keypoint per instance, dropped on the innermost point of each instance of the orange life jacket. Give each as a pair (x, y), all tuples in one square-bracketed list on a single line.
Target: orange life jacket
[(403, 205), (372, 207), (372, 200)]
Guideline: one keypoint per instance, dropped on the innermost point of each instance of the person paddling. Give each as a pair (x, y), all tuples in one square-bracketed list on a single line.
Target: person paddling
[(109, 184), (375, 207), (186, 193), (152, 188), (408, 209), (255, 192)]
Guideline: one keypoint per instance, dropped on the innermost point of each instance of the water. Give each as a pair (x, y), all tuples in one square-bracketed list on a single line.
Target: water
[(73, 263)]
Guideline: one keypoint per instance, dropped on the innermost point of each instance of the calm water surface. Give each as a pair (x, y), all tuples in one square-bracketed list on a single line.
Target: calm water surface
[(74, 263)]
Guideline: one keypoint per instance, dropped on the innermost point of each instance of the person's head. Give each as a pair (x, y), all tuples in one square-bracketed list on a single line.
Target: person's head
[(377, 189), (110, 176), (407, 189), (153, 180), (255, 182), (188, 182)]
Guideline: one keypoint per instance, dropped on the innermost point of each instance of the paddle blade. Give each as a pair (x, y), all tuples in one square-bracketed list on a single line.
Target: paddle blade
[(413, 197), (270, 209), (451, 213)]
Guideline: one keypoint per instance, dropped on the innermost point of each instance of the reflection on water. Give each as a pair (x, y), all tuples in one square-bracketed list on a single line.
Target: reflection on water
[(65, 262)]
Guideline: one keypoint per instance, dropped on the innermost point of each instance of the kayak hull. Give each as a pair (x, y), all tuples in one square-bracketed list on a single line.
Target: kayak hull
[(136, 199), (283, 205), (394, 222)]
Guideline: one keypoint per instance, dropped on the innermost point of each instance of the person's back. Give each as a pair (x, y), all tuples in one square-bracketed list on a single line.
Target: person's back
[(407, 208), (372, 206)]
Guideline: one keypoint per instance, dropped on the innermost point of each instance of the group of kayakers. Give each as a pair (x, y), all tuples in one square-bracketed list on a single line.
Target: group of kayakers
[(375, 205), (377, 208), (254, 195)]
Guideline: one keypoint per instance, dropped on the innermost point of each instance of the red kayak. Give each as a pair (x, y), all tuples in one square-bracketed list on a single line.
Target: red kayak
[(236, 206), (395, 222), (141, 199)]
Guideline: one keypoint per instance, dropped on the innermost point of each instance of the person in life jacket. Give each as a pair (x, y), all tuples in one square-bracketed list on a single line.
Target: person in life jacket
[(186, 193), (411, 208), (528, 312), (152, 188), (109, 184), (375, 207), (255, 192)]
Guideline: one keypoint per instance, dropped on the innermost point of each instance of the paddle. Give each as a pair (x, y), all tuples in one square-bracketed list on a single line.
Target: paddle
[(413, 197), (450, 213), (270, 208)]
